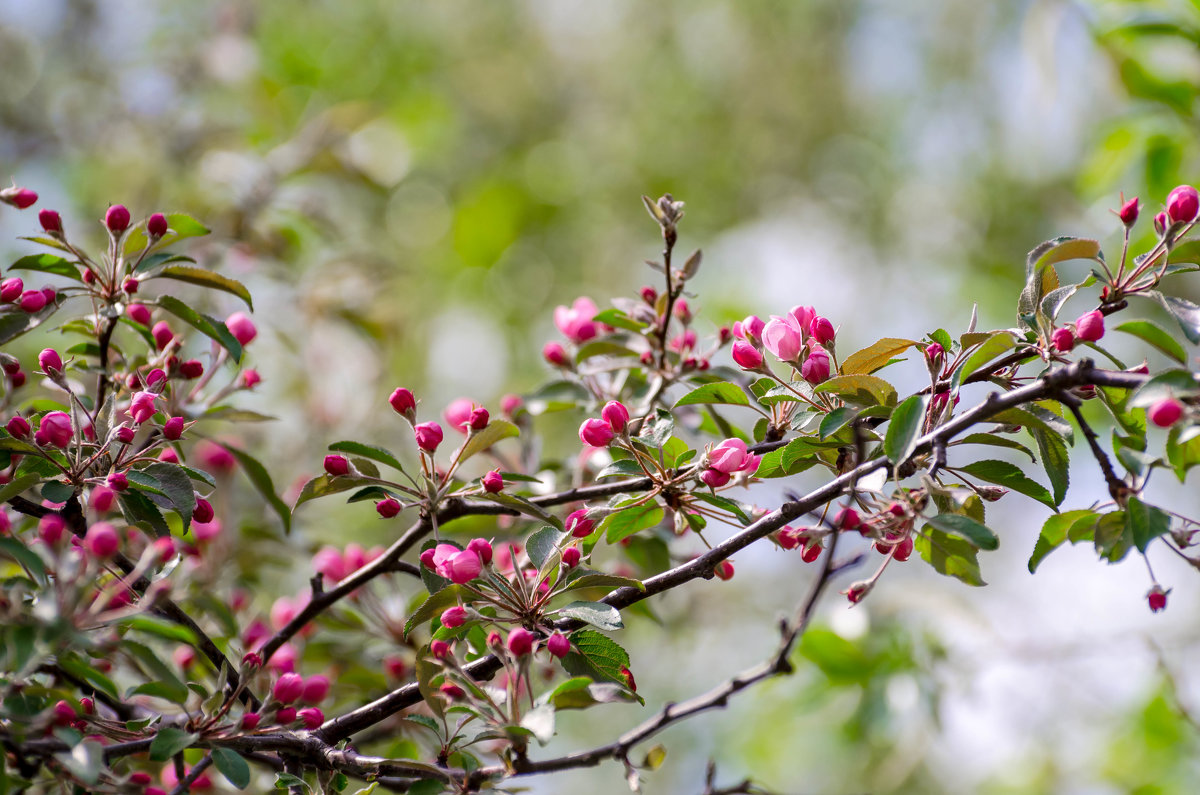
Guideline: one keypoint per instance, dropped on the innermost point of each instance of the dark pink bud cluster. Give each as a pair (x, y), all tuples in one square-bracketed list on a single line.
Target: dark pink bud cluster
[(728, 458), (614, 418), (576, 322)]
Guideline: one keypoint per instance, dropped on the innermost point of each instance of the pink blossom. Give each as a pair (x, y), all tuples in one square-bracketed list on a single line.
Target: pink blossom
[(555, 354), (821, 330), (481, 547), (616, 415), (33, 301), (746, 355), (241, 327), (388, 507), (454, 616), (575, 322), (558, 645), (11, 289), (732, 456), (714, 478), (750, 329), (782, 339), (1129, 212), (520, 642), (510, 404), (312, 717), (116, 218), (214, 457), (337, 465), (803, 316), (1063, 340), (206, 531), (458, 414), (492, 482), (596, 433), (815, 369), (1090, 326), (162, 333), (250, 379), (156, 225), (56, 429), (1165, 412), (288, 688), (142, 407), (316, 688), (102, 540), (1182, 204), (51, 221), (328, 561), (428, 436), (20, 198), (403, 401), (50, 361)]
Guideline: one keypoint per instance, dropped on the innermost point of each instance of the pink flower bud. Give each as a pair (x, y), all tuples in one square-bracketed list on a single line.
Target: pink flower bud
[(576, 322), (428, 436), (162, 334), (241, 327), (1182, 204), (510, 404), (481, 547), (616, 415), (520, 642), (64, 712), (56, 426), (578, 524), (316, 688), (752, 328), (1157, 598), (130, 286), (1062, 339), (747, 356), (846, 519), (395, 667), (312, 717), (102, 540), (815, 369), (250, 379), (184, 656), (453, 617), (337, 465), (388, 507), (18, 427), (1160, 223), (1090, 326), (811, 553), (11, 289), (492, 481), (169, 456), (596, 433), (452, 691), (328, 561), (285, 715), (558, 644), (214, 457), (51, 221), (821, 330), (155, 377), (479, 419), (87, 706), (903, 550), (32, 301), (428, 558), (141, 408), (458, 414), (440, 649), (102, 499), (714, 478), (250, 721), (192, 368), (117, 481), (1129, 212), (164, 548), (571, 556), (403, 402), (555, 354), (494, 641), (1165, 412), (125, 434), (50, 528), (173, 428), (117, 219), (203, 512), (682, 310), (857, 592), (463, 567), (649, 294), (20, 198), (156, 225), (288, 688), (724, 570)]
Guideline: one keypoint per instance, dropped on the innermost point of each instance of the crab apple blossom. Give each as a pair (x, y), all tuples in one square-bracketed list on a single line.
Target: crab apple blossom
[(102, 540), (11, 289), (18, 427), (51, 222), (203, 511), (173, 428), (21, 198), (815, 369), (241, 327), (555, 354), (156, 225), (50, 361), (1165, 412), (316, 688), (751, 328), (428, 436), (724, 570), (458, 414), (616, 415), (847, 519), (571, 556), (1156, 598), (511, 404), (388, 507), (520, 642), (312, 717), (715, 478), (1090, 326), (250, 721), (337, 465), (1062, 339), (1129, 212), (138, 313), (192, 368), (575, 322), (451, 691), (440, 649), (746, 355), (250, 379), (329, 563), (285, 715), (492, 482), (56, 429), (162, 333), (116, 218), (1183, 204), (821, 330), (558, 644), (117, 481), (596, 433), (732, 456), (453, 617), (288, 688), (578, 524), (811, 552), (32, 301), (481, 547)]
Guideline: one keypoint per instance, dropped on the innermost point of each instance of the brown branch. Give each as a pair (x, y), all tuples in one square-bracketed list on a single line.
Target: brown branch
[(1117, 488), (185, 785)]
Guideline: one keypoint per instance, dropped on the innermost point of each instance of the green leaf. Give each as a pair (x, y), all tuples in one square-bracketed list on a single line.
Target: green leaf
[(724, 503), (835, 420), (904, 429), (840, 659), (203, 278), (996, 440), (1183, 452), (137, 509), (1145, 522), (160, 628), (542, 544), (287, 781), (623, 467), (597, 614), (1053, 302), (210, 327), (656, 431), (964, 526), (595, 579), (601, 653), (1034, 415), (57, 491), (860, 390), (168, 742), (1186, 314), (14, 322), (581, 692), (618, 319), (18, 485), (523, 506), (25, 556), (718, 392), (1113, 536), (1169, 383), (1148, 332), (232, 766), (370, 451), (48, 263), (949, 555), (1005, 474), (603, 348), (482, 440), (875, 356), (177, 487), (179, 227), (432, 606), (261, 481), (984, 355), (1056, 460), (173, 689), (627, 521), (1060, 249), (1055, 532)]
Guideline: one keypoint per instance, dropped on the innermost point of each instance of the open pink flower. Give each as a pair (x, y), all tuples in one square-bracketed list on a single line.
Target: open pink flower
[(782, 339), (731, 456), (576, 322), (457, 565)]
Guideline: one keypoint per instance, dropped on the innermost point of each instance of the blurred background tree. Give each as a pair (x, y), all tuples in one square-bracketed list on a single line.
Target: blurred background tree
[(410, 188)]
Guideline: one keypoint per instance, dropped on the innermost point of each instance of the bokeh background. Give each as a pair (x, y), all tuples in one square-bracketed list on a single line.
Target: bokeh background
[(410, 188)]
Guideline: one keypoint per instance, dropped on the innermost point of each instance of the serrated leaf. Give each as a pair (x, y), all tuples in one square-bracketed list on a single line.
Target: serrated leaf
[(14, 322), (373, 452), (656, 430), (48, 263), (996, 440), (160, 627), (1056, 460), (172, 688), (232, 766), (721, 392), (168, 742), (523, 506), (482, 440), (949, 555), (597, 579), (257, 474), (875, 356), (138, 510), (1145, 522), (984, 355), (432, 606), (1183, 453), (286, 781), (177, 487), (1055, 532), (179, 227), (1008, 475), (627, 521), (835, 420), (540, 721), (1152, 334), (904, 429), (542, 544), (860, 390), (204, 278), (1186, 314), (602, 653), (210, 327), (624, 467), (618, 319), (597, 614), (964, 526)]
